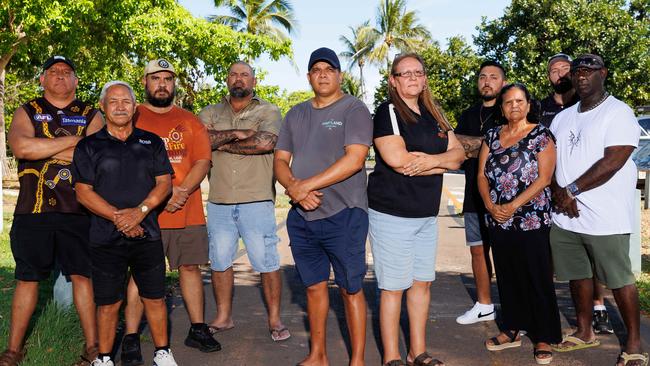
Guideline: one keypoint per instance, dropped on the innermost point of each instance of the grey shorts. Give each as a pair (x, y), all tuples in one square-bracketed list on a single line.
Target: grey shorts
[(473, 227), (185, 246), (578, 256)]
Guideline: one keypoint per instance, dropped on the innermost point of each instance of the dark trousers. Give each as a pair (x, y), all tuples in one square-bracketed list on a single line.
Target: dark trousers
[(522, 260)]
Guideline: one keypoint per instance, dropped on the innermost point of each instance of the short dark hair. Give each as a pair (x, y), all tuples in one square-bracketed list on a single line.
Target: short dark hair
[(493, 63), (535, 107)]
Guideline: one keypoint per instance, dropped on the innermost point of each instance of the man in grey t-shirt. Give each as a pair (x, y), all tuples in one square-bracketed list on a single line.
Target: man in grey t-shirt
[(328, 139)]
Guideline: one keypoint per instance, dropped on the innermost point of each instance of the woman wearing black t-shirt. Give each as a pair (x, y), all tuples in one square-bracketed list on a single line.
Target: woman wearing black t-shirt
[(413, 146)]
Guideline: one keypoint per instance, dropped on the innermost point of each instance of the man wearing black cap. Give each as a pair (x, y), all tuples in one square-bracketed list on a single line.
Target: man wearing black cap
[(593, 198), (320, 160), (49, 224), (564, 95), (472, 126)]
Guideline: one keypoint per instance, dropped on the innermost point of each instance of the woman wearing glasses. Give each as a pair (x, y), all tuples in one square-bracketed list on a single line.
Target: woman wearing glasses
[(516, 163), (414, 145)]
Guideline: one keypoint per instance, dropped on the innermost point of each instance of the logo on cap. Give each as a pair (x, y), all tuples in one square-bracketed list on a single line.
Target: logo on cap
[(163, 64)]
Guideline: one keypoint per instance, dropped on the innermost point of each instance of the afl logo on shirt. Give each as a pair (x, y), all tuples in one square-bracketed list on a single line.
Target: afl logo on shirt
[(73, 120), (40, 117)]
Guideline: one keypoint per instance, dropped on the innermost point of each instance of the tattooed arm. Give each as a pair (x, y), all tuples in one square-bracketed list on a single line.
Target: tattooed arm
[(218, 138), (471, 144), (262, 142)]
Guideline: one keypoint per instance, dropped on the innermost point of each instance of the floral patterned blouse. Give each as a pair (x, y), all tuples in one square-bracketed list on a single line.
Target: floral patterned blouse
[(511, 170)]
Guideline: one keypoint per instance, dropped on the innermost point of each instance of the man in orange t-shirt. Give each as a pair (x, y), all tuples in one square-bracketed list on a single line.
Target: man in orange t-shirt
[(182, 221)]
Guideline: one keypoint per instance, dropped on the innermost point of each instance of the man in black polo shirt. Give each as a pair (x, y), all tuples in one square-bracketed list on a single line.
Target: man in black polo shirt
[(563, 95), (473, 123), (122, 174)]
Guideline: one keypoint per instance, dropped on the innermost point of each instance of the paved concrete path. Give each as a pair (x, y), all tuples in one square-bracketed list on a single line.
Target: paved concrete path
[(452, 293)]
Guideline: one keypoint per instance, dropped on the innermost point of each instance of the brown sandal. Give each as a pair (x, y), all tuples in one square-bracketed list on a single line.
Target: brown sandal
[(425, 359), (86, 359), (11, 358)]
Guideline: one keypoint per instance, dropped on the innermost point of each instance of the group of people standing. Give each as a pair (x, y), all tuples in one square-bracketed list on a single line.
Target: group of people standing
[(138, 175)]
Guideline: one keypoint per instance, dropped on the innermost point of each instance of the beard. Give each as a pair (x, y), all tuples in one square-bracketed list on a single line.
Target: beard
[(563, 85), (488, 97), (160, 102), (239, 92)]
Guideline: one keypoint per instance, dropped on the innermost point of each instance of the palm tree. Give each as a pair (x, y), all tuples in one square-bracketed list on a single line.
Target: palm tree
[(351, 85), (268, 17), (396, 27), (357, 48)]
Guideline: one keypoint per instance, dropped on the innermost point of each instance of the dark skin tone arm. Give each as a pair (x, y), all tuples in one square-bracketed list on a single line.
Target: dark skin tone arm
[(219, 138), (262, 142), (597, 175)]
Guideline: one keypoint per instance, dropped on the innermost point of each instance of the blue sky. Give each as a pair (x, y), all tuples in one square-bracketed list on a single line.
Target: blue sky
[(321, 23)]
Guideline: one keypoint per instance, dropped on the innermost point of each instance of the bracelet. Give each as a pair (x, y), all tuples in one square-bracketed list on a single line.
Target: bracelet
[(568, 193)]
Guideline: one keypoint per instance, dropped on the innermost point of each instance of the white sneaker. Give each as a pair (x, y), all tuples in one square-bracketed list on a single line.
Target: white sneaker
[(478, 313), (163, 358), (104, 362)]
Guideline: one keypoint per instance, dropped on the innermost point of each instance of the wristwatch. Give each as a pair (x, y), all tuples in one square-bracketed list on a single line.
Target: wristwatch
[(144, 208), (572, 190)]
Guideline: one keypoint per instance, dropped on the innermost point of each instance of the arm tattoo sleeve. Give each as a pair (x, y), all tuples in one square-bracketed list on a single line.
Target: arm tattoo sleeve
[(471, 144), (219, 138), (260, 143)]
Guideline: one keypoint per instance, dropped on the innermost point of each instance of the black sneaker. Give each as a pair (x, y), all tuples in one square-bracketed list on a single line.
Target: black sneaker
[(601, 323), (131, 354), (202, 339)]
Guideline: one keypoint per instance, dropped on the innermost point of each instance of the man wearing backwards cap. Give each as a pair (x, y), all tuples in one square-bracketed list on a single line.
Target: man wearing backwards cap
[(49, 224), (320, 160), (563, 95), (593, 198), (182, 223)]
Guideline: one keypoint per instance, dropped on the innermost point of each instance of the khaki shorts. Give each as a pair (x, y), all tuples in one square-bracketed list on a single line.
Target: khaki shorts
[(578, 256), (185, 246)]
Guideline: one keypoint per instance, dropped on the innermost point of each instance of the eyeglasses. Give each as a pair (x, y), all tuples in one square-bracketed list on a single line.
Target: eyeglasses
[(587, 62), (409, 74), (582, 71)]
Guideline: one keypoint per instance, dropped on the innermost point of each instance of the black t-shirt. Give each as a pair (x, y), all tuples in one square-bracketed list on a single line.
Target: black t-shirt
[(123, 173), (550, 108), (475, 121), (393, 193)]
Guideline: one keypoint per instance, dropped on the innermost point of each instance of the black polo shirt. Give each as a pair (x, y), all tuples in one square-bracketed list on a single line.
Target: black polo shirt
[(123, 173), (550, 108)]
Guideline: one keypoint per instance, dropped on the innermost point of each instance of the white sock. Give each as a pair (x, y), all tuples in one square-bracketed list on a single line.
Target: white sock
[(600, 308)]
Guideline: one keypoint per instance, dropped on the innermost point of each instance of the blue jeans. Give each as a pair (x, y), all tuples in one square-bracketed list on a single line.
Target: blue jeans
[(253, 222)]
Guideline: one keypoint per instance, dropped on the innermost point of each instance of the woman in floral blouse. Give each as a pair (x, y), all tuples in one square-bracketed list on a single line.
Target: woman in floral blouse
[(516, 164)]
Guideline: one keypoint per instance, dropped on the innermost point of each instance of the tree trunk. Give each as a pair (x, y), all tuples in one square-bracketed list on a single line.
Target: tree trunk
[(363, 85)]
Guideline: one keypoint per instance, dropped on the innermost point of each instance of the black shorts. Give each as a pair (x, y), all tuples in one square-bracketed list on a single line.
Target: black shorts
[(40, 240), (111, 264)]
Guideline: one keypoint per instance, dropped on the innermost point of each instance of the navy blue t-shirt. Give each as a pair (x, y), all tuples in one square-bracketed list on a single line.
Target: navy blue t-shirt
[(123, 173), (394, 193)]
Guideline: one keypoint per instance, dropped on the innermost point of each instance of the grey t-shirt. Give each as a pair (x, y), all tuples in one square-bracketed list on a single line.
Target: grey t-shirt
[(316, 138)]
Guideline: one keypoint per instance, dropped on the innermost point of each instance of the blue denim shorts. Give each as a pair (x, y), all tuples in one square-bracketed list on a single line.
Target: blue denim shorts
[(475, 229), (338, 240), (253, 222), (403, 249)]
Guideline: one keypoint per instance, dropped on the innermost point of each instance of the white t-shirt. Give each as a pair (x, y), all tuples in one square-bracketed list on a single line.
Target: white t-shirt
[(581, 141)]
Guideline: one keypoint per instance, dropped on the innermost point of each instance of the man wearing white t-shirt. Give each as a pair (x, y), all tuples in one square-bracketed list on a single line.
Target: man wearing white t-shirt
[(593, 198)]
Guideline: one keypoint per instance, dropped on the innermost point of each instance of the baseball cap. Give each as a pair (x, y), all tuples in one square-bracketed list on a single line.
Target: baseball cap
[(559, 57), (56, 59), (158, 65), (324, 54), (589, 61)]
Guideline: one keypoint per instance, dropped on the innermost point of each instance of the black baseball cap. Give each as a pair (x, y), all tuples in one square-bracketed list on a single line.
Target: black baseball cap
[(324, 54), (559, 57), (56, 59), (589, 61)]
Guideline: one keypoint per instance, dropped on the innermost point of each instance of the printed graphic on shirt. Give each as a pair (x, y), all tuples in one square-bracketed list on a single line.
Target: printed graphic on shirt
[(332, 124), (174, 144)]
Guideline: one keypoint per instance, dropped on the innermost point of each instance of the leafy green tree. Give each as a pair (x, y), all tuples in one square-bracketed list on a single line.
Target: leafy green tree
[(532, 30), (357, 49), (261, 17), (396, 28), (351, 85)]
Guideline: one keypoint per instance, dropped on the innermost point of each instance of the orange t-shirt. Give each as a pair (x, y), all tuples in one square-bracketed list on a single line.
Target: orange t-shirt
[(186, 140)]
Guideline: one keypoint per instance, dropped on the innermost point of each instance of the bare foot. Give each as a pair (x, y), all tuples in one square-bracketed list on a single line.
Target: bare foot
[(315, 360)]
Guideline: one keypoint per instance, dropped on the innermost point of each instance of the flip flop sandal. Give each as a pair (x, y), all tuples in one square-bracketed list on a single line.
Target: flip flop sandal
[(424, 359), (628, 357), (543, 360), (280, 334), (577, 344), (395, 363), (11, 358), (214, 330), (498, 346)]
